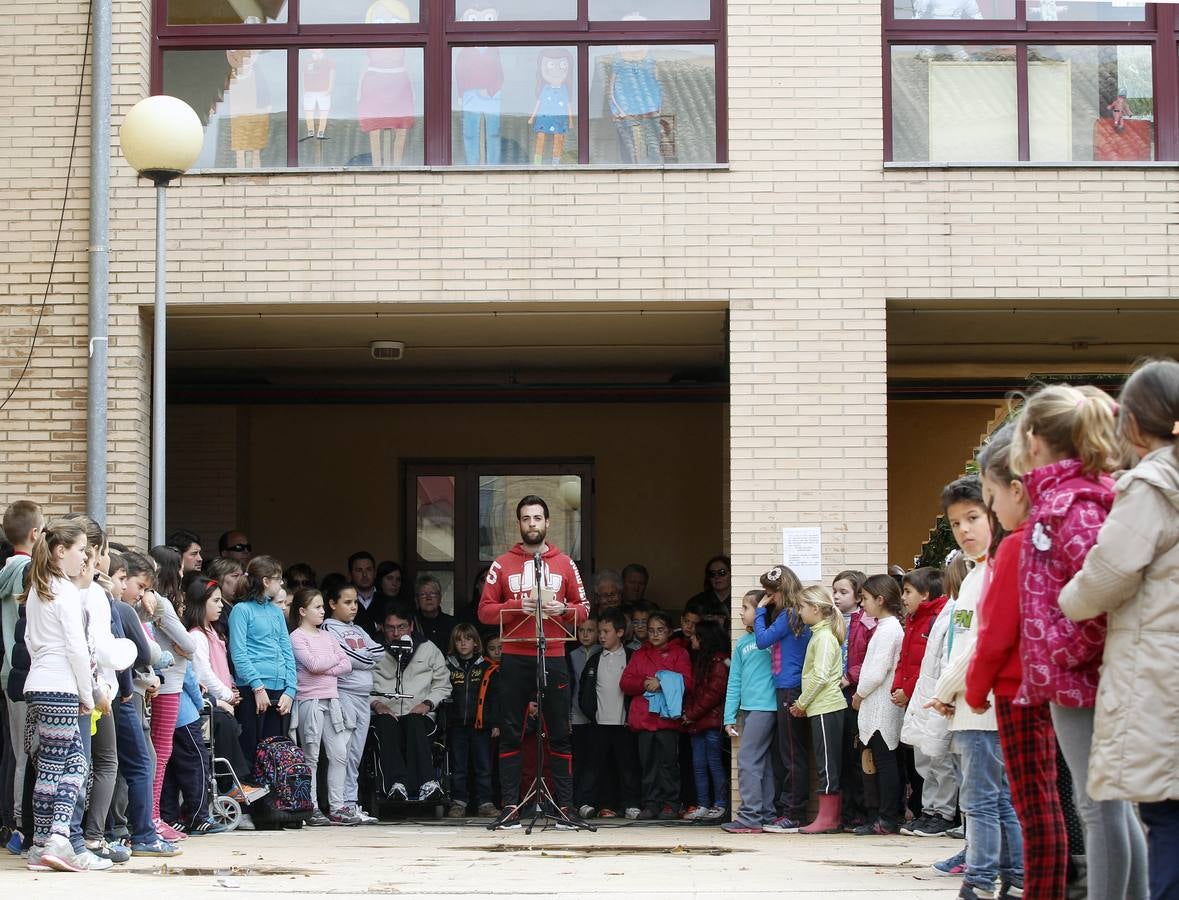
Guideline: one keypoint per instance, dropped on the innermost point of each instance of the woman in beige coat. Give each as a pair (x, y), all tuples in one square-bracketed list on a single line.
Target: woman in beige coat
[(1133, 575)]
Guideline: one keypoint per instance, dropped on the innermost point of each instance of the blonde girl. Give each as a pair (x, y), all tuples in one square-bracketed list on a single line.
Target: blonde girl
[(58, 689), (778, 629), (1063, 447), (822, 701), (1130, 575)]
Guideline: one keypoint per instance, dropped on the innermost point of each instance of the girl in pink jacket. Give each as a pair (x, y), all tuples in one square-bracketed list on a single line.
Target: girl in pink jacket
[(1064, 445), (319, 717)]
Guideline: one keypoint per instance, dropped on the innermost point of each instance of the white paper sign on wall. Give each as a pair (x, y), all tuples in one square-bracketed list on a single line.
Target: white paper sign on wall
[(802, 551)]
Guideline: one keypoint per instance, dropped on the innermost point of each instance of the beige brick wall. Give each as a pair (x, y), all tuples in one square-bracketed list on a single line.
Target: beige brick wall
[(806, 237)]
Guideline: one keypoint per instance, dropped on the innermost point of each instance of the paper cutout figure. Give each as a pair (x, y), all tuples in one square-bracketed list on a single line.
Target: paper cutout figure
[(635, 101), (553, 113), (385, 101), (1120, 109), (249, 109), (319, 77), (479, 77)]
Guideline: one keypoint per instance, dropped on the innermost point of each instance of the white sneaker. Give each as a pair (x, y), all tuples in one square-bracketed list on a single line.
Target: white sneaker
[(586, 812), (632, 812), (35, 864), (398, 792), (96, 863), (698, 813), (59, 855), (365, 817), (429, 791)]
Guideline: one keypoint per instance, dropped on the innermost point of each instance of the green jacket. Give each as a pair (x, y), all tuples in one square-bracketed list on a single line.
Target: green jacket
[(821, 671)]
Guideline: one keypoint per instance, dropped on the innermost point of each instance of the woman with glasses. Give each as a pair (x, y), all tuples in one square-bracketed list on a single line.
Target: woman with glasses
[(717, 594)]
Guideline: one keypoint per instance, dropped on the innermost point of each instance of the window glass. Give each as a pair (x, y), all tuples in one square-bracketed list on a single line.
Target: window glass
[(629, 10), (1091, 103), (498, 527), (953, 9), (954, 104), (651, 105), (225, 12), (514, 10), (1086, 11), (435, 518), (361, 107), (241, 97), (445, 578), (354, 12), (514, 106)]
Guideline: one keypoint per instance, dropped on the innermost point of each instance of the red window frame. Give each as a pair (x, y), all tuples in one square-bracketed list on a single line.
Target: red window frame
[(1158, 31), (438, 32)]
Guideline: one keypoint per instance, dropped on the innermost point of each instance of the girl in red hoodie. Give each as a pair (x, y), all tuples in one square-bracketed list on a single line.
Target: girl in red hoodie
[(658, 736), (1025, 732), (703, 717)]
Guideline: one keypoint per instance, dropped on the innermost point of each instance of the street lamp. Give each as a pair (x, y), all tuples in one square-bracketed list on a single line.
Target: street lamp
[(161, 138)]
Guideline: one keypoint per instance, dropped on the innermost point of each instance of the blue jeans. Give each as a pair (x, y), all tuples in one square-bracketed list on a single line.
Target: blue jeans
[(1162, 820), (994, 843), (708, 768), (466, 745), (472, 156), (135, 765)]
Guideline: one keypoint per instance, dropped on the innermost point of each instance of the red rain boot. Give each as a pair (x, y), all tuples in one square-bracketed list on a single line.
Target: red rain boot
[(827, 821)]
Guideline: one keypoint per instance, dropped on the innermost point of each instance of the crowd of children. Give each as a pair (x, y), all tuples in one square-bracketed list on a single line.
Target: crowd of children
[(925, 703)]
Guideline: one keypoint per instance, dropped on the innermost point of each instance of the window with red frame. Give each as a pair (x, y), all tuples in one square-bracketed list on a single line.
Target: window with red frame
[(1044, 81), (397, 83)]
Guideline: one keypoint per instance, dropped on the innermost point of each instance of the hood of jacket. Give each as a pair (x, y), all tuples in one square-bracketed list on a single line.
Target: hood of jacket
[(1160, 470), (1054, 488), (522, 551), (13, 574)]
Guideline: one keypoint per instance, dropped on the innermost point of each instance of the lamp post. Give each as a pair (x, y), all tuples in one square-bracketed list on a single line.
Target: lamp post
[(161, 138)]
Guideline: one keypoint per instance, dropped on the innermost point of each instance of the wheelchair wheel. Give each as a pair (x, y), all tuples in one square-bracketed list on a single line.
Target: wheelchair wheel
[(224, 810)]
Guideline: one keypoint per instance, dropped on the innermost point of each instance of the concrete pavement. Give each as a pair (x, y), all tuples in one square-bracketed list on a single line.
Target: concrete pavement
[(428, 860)]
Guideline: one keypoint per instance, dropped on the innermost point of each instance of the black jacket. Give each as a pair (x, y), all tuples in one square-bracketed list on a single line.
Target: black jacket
[(21, 661), (587, 688), (467, 696)]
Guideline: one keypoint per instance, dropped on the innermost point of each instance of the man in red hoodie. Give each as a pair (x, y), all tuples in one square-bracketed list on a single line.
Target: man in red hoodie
[(509, 600)]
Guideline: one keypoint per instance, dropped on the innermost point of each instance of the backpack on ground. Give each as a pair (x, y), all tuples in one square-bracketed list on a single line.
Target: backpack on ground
[(280, 765)]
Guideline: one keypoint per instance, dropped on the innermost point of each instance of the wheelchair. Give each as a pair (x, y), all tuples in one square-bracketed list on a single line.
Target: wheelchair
[(224, 809), (369, 784)]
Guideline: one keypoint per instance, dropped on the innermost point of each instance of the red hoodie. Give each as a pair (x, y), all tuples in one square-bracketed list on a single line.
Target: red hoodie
[(917, 629), (512, 577), (996, 664)]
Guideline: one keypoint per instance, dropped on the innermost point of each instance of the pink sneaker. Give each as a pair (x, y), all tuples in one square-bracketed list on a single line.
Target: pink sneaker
[(168, 833)]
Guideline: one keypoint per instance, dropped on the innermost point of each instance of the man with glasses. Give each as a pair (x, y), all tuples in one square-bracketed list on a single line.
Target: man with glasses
[(408, 685), (434, 624), (509, 601), (235, 545)]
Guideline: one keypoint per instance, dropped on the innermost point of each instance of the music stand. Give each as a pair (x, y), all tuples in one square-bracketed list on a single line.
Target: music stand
[(538, 792)]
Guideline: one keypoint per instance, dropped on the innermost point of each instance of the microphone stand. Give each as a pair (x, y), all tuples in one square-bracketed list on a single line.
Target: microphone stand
[(538, 792)]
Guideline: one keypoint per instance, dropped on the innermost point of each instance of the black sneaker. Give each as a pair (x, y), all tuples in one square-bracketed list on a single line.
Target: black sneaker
[(910, 828), (510, 819), (930, 826), (1012, 889), (574, 820), (649, 812), (973, 892)]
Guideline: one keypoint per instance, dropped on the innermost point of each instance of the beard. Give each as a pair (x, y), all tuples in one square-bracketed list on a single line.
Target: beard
[(533, 537)]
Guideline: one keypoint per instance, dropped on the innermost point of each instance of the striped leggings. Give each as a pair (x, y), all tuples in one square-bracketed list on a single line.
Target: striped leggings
[(164, 710), (61, 762)]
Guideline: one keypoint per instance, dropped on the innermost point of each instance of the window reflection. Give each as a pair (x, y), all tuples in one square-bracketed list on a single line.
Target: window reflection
[(343, 12), (622, 10), (361, 107), (514, 106), (953, 9), (514, 10), (240, 96), (652, 104), (226, 12)]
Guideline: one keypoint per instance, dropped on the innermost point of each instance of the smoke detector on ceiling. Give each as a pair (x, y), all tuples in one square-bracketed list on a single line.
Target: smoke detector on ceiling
[(390, 351)]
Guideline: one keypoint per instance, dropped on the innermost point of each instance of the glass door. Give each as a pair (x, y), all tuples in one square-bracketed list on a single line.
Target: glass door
[(460, 516)]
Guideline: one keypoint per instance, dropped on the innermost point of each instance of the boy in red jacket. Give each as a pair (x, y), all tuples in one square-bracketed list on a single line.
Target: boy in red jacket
[(658, 735), (923, 599)]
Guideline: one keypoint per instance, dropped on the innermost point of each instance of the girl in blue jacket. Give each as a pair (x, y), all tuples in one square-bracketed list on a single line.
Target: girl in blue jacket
[(263, 661), (779, 629)]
